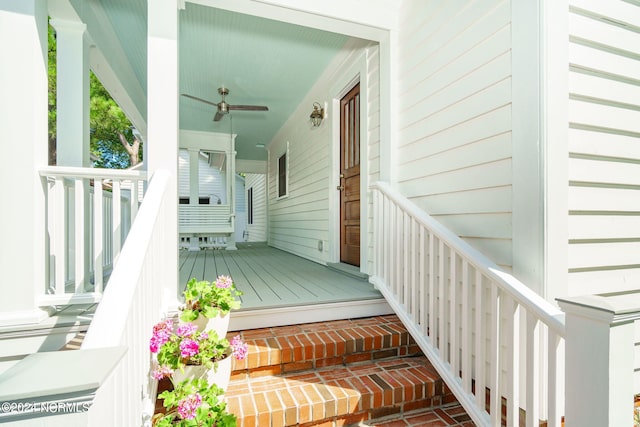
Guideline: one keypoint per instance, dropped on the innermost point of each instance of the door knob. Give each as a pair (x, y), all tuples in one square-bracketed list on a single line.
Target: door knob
[(340, 187), (341, 175)]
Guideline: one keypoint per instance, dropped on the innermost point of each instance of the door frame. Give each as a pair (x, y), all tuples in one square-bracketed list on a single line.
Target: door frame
[(357, 73)]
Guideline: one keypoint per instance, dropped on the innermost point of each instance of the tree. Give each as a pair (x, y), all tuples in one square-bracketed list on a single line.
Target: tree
[(110, 129)]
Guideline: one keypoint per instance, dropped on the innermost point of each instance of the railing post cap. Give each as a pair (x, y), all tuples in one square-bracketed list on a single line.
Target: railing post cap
[(622, 307)]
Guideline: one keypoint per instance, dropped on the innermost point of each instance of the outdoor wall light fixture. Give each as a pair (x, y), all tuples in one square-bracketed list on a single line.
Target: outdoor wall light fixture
[(317, 115)]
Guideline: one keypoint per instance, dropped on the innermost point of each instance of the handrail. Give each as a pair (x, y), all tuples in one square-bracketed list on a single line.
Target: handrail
[(132, 303), (77, 172), (552, 315), (482, 329)]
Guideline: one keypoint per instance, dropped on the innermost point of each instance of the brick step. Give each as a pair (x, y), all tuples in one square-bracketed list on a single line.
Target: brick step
[(282, 350), (337, 395)]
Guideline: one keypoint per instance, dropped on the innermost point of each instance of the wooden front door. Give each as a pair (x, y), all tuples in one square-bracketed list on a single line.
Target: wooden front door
[(350, 177)]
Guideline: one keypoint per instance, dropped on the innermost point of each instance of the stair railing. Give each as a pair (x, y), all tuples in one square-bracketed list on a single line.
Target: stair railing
[(132, 303), (89, 214), (496, 343)]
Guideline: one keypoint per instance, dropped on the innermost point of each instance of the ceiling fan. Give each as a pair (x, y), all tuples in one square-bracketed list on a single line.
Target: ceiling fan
[(224, 107)]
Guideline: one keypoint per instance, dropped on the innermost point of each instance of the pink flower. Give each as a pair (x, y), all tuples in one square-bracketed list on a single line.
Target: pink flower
[(224, 282), (186, 329), (187, 407), (162, 372), (161, 334), (239, 348), (189, 347)]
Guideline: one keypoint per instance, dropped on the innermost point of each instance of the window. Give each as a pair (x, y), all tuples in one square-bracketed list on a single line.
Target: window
[(250, 206), (282, 175), (201, 200)]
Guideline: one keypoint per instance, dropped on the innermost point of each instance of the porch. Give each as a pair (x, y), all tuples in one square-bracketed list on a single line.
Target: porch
[(282, 289)]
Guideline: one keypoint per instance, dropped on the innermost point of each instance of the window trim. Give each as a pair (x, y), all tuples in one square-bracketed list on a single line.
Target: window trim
[(287, 184), (250, 205)]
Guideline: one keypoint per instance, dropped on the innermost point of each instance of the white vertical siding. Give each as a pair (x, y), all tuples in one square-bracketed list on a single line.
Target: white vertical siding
[(604, 146), (258, 230), (454, 145)]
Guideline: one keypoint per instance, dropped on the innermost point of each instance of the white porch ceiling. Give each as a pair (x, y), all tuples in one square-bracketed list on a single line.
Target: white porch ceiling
[(261, 61)]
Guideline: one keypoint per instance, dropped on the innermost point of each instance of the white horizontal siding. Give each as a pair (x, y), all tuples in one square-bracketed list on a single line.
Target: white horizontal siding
[(454, 144), (304, 221), (212, 182), (258, 230), (604, 146)]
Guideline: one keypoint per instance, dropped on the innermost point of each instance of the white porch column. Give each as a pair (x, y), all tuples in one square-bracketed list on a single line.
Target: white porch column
[(231, 193), (194, 176), (73, 93), (599, 367), (23, 130), (162, 117)]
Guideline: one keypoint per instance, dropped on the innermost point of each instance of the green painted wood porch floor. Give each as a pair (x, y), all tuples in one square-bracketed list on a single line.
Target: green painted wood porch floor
[(272, 278)]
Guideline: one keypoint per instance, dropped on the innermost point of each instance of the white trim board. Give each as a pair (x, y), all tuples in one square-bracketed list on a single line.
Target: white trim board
[(270, 317)]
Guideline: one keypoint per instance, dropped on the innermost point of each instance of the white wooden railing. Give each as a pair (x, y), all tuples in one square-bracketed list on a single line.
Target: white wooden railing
[(483, 330), (89, 213), (131, 305), (205, 219)]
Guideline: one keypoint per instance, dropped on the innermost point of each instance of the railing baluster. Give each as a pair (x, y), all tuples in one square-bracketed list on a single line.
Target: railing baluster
[(466, 345), (494, 367), (415, 278), (117, 219), (397, 279), (425, 292), (60, 239), (134, 200), (479, 323), (555, 379), (98, 255), (533, 370), (442, 295), (79, 236), (405, 285), (432, 290), (454, 354), (513, 365)]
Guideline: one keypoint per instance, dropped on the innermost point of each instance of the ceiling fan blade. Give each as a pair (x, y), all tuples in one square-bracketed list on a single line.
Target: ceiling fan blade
[(218, 116), (248, 107), (199, 99)]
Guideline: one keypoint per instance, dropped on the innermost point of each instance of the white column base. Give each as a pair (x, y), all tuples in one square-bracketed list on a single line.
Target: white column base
[(194, 243)]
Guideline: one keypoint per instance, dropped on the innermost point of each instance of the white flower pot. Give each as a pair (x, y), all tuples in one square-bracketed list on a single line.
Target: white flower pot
[(219, 324), (219, 375), (189, 372)]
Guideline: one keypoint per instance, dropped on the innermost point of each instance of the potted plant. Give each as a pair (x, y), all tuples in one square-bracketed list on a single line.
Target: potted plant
[(208, 304), (194, 402), (184, 352)]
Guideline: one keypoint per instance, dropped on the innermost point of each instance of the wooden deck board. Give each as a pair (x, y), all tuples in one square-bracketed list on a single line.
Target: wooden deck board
[(273, 278)]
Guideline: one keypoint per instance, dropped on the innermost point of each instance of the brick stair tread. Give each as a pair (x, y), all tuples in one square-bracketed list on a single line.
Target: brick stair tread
[(286, 349), (338, 395)]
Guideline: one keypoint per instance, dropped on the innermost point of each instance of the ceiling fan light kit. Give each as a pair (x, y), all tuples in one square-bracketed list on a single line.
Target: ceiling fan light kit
[(317, 114), (224, 107)]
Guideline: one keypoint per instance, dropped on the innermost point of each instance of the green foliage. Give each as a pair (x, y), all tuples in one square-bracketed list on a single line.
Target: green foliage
[(210, 349), (209, 299), (210, 410), (107, 121)]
